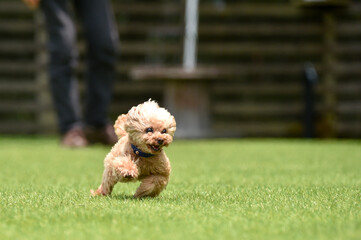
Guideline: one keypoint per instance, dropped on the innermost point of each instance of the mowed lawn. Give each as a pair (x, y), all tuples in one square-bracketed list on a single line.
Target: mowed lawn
[(219, 189)]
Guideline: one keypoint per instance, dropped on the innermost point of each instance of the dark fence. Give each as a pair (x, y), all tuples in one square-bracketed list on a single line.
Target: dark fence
[(260, 47)]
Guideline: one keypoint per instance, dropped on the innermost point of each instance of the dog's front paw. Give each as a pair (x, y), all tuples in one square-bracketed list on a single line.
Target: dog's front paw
[(129, 174), (126, 168)]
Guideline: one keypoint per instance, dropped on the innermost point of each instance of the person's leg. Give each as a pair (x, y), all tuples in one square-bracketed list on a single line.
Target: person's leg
[(63, 57), (102, 39)]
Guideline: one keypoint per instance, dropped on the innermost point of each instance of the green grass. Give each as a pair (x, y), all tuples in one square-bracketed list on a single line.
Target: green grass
[(221, 189)]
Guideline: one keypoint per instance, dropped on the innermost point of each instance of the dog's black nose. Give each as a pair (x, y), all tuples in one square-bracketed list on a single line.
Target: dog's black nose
[(160, 141)]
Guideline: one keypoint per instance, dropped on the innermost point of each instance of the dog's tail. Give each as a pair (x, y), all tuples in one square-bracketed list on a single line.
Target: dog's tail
[(119, 125)]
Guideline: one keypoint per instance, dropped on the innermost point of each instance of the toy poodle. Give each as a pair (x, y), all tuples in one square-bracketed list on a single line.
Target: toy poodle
[(139, 154)]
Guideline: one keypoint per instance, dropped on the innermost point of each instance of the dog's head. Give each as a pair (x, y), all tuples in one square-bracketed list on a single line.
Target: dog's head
[(150, 127)]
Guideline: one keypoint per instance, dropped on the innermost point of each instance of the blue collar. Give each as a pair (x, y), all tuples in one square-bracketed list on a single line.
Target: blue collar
[(139, 152)]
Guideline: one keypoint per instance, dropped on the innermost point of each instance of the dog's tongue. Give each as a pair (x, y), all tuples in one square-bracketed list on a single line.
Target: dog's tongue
[(155, 147)]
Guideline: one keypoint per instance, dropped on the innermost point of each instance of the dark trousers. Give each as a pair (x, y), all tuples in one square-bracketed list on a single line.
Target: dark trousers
[(97, 20)]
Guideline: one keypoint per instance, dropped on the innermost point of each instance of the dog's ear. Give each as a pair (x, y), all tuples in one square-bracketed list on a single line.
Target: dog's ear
[(134, 112), (133, 122), (133, 115), (172, 126), (119, 125)]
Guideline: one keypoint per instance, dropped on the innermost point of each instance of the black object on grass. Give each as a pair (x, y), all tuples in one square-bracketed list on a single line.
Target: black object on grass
[(310, 80)]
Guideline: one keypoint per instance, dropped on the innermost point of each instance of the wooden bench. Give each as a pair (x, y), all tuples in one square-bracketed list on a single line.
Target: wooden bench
[(186, 96)]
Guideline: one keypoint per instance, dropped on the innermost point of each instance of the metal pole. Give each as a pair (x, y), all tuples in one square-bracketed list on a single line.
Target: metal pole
[(190, 38)]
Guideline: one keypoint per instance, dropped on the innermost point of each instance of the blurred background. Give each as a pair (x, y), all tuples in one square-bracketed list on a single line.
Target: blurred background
[(268, 68)]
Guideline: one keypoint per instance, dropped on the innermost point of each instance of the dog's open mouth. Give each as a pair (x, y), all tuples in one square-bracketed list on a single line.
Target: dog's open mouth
[(155, 148)]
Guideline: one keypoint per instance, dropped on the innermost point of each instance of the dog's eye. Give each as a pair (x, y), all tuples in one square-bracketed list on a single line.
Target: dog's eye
[(148, 130), (164, 131)]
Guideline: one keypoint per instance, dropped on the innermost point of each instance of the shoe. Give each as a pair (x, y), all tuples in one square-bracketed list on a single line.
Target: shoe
[(104, 135), (74, 138)]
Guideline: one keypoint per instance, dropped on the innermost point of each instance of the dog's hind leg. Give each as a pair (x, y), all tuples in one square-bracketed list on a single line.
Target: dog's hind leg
[(151, 186), (108, 182)]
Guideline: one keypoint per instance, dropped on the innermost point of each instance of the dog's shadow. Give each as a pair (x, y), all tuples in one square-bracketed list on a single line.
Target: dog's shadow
[(123, 197), (162, 198)]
